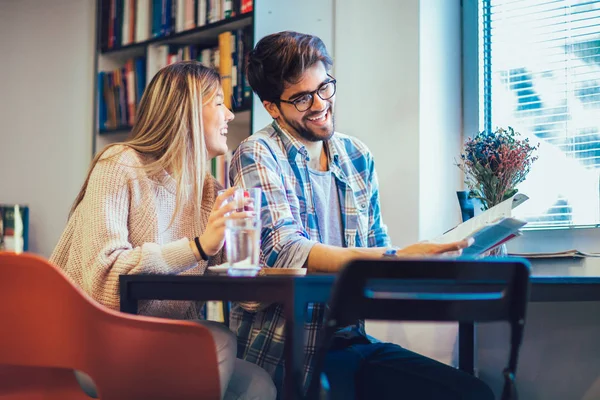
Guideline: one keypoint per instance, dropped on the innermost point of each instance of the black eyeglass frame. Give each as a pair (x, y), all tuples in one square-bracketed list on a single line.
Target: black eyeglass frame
[(312, 95)]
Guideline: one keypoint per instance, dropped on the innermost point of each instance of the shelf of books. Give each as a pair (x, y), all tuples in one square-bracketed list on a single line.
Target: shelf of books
[(136, 38)]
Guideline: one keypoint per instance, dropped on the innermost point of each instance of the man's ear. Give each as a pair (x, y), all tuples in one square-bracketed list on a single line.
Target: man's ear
[(272, 109)]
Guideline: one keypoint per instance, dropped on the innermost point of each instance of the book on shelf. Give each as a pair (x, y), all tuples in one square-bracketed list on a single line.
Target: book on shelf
[(214, 311), (126, 22), (226, 45), (490, 229), (201, 13), (142, 20), (119, 93), (228, 11), (213, 11), (247, 6), (14, 228), (128, 33), (220, 168), (185, 15)]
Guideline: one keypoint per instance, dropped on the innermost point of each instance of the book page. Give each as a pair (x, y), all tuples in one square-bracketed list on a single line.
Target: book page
[(466, 229)]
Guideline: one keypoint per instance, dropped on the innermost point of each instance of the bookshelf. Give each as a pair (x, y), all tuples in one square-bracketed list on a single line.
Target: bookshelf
[(135, 38)]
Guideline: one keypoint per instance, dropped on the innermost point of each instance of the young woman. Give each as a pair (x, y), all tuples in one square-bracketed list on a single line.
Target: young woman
[(149, 205)]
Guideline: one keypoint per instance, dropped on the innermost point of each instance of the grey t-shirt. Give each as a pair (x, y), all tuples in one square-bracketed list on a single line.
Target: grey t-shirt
[(329, 220), (327, 207)]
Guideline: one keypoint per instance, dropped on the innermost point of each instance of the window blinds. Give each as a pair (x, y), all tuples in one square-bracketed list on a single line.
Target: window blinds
[(540, 74)]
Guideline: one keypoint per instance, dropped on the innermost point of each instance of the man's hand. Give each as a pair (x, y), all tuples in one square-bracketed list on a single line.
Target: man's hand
[(330, 259), (427, 248)]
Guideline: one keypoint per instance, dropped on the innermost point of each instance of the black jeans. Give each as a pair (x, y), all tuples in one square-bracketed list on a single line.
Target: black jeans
[(388, 371)]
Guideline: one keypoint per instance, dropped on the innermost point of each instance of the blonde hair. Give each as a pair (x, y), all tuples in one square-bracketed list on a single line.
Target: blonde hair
[(169, 129)]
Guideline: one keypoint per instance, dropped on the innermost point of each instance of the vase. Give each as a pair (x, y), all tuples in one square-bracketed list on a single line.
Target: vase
[(498, 251), (468, 208)]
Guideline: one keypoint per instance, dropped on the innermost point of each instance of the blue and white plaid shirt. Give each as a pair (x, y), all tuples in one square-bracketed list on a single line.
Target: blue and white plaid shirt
[(278, 163)]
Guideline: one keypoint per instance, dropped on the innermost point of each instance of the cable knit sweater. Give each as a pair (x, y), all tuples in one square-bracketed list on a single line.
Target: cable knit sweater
[(122, 227)]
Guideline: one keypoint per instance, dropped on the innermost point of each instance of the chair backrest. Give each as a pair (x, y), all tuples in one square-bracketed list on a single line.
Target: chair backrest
[(48, 322), (432, 290)]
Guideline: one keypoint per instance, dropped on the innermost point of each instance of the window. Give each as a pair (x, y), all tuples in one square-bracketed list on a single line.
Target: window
[(539, 69)]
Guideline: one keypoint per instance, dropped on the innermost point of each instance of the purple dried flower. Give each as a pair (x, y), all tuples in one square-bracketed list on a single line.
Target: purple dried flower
[(494, 163)]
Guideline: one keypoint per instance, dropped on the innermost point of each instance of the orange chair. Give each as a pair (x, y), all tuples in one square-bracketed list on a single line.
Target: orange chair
[(49, 327)]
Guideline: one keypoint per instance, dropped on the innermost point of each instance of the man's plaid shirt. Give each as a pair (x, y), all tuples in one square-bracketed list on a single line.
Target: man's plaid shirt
[(278, 163)]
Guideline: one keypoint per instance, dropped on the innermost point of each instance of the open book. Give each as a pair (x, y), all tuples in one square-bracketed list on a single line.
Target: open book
[(489, 229)]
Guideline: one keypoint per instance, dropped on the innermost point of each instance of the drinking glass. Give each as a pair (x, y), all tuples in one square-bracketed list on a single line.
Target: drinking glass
[(242, 246)]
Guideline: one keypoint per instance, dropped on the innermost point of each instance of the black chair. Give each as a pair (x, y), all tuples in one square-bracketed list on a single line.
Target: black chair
[(429, 290)]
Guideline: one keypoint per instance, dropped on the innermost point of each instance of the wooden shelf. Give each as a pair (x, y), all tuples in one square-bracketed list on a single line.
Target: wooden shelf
[(206, 34)]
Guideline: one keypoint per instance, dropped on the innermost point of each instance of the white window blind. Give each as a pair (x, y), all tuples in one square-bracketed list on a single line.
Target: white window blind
[(540, 74)]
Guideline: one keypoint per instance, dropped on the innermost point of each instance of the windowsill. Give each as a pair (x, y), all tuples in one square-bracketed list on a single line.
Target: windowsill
[(559, 228), (557, 239)]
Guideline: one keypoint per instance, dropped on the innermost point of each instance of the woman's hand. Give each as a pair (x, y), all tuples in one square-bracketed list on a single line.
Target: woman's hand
[(213, 238), (426, 248)]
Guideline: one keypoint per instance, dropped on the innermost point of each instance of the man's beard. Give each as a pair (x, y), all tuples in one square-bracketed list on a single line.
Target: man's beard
[(307, 134)]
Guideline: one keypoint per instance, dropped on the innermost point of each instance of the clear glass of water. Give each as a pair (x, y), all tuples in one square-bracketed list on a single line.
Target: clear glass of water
[(242, 246)]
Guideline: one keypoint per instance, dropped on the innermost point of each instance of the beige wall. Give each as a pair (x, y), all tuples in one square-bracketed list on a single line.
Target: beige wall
[(46, 78), (377, 66)]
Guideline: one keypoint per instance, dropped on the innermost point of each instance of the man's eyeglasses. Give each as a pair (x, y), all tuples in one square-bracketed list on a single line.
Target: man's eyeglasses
[(305, 102)]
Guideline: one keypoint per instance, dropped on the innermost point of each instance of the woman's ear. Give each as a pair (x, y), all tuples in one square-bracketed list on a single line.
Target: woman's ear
[(272, 109)]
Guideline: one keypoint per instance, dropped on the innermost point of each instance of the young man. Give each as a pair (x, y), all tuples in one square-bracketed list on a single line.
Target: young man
[(322, 210)]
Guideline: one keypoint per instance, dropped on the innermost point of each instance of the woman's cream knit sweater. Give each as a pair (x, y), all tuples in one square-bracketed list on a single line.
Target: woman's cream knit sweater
[(122, 227)]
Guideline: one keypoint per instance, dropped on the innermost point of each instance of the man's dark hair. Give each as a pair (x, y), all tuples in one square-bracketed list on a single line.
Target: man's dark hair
[(280, 59)]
